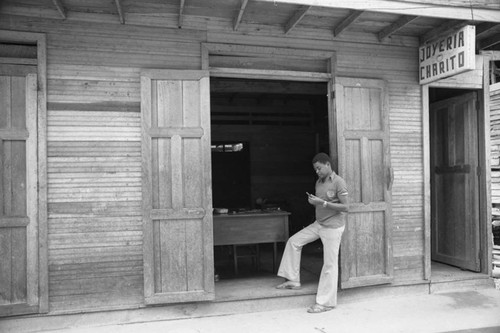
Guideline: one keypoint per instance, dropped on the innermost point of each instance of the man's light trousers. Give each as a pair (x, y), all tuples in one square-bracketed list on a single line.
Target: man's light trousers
[(290, 262)]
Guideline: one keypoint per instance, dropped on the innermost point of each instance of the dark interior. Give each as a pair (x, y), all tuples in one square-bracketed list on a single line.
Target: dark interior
[(439, 94), (264, 135), (281, 127)]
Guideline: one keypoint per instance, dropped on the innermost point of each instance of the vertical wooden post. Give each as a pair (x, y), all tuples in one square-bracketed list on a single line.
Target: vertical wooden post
[(43, 245), (427, 181), (332, 127), (484, 123)]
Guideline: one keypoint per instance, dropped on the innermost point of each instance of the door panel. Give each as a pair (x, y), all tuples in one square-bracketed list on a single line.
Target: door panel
[(177, 195), (454, 182), (18, 194), (364, 162)]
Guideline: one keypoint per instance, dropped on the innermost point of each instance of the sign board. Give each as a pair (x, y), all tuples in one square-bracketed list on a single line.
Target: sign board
[(448, 55)]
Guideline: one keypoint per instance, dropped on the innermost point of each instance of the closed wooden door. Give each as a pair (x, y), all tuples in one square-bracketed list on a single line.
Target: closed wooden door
[(177, 193), (362, 123), (18, 192), (454, 182)]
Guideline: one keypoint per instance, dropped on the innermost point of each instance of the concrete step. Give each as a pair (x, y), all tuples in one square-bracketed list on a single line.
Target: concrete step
[(227, 306), (460, 285)]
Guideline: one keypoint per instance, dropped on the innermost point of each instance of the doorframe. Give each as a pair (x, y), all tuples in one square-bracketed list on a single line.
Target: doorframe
[(43, 268), (328, 76), (473, 80)]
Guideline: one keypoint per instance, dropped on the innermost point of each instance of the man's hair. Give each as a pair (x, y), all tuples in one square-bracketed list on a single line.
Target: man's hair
[(322, 158)]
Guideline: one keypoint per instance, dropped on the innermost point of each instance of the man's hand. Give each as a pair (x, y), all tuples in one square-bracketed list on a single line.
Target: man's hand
[(314, 200)]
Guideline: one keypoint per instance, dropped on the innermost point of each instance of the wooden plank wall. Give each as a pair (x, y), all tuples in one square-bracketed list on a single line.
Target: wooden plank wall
[(495, 142), (94, 157), (95, 240)]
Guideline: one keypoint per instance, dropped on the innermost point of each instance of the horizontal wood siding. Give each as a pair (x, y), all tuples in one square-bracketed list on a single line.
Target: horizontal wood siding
[(94, 156), (94, 194), (95, 238), (94, 162)]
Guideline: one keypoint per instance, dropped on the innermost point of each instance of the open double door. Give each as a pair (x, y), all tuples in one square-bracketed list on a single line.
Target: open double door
[(177, 211)]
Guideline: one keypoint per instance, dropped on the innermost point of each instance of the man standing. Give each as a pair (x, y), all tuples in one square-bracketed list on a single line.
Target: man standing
[(331, 204)]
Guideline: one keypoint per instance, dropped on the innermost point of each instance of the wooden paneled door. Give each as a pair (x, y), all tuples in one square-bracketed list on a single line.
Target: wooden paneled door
[(177, 191), (18, 191), (362, 124), (454, 182)]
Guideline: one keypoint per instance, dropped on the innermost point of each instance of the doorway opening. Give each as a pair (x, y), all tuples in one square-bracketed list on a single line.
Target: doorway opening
[(455, 184), (264, 134)]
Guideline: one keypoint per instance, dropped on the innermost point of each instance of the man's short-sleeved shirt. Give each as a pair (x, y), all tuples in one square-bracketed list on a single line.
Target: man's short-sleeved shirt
[(330, 189)]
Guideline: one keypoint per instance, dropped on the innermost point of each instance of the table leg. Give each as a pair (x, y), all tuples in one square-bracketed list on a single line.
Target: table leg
[(275, 256), (257, 258), (235, 260)]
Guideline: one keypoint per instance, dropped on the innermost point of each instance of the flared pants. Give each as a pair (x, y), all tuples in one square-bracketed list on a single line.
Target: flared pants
[(290, 262)]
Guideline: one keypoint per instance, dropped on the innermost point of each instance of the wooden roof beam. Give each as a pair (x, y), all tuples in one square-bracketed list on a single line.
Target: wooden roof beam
[(120, 11), (295, 19), (60, 8), (487, 27), (488, 42), (395, 27), (223, 85), (237, 19), (442, 29), (181, 13), (428, 9), (346, 22)]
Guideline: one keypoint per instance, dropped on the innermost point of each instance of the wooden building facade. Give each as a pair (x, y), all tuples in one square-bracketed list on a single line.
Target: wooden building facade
[(109, 112)]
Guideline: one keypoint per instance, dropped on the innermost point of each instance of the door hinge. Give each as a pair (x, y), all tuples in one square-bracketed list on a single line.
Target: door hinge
[(478, 105)]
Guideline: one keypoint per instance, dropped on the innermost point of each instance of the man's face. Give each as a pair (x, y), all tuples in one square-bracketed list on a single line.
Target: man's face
[(322, 170)]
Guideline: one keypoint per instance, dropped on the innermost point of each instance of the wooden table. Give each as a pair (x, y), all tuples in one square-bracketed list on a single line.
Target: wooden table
[(251, 228)]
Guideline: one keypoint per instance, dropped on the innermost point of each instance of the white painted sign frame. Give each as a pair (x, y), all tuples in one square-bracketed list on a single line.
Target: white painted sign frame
[(448, 55)]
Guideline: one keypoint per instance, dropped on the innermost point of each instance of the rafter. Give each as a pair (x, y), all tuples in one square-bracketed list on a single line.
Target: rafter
[(484, 28), (346, 22), (489, 42), (393, 28), (295, 19), (181, 13), (428, 9), (442, 29), (60, 8), (222, 85), (237, 20), (120, 11)]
